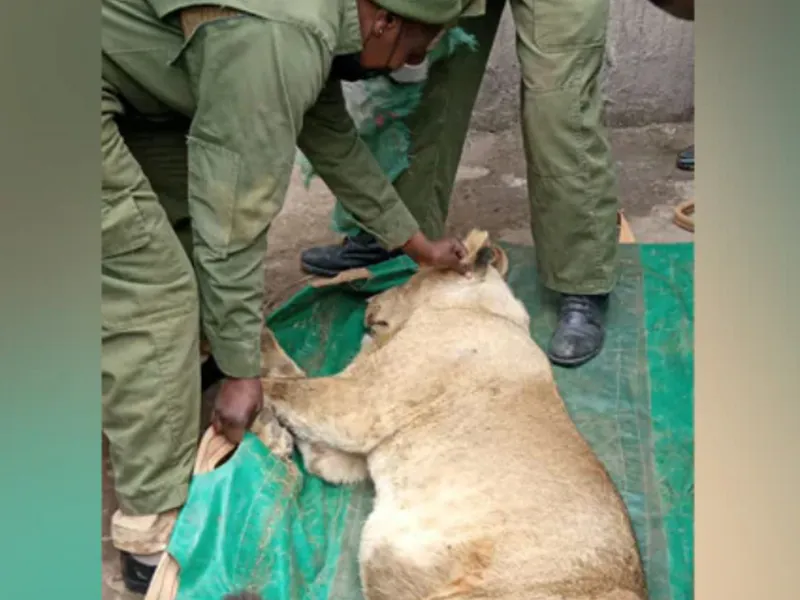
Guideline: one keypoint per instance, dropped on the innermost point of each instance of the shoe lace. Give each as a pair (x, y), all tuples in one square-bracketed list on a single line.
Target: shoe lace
[(571, 304)]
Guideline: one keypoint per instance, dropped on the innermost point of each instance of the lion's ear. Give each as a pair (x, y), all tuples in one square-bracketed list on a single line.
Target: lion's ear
[(481, 253), (474, 242), (500, 260)]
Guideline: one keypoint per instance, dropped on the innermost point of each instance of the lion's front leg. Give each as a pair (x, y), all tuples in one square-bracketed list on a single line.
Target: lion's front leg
[(273, 434), (330, 411), (334, 466)]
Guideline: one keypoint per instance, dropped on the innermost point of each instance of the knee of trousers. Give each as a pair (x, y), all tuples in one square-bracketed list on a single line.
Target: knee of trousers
[(150, 355)]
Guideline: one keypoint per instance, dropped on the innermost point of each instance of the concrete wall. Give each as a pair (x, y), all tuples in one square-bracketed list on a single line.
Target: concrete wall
[(649, 78)]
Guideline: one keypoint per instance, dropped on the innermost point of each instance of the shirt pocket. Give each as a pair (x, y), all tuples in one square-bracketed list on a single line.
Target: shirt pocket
[(123, 227), (213, 188)]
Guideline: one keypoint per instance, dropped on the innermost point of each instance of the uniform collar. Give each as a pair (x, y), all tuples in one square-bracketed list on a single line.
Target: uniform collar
[(349, 41)]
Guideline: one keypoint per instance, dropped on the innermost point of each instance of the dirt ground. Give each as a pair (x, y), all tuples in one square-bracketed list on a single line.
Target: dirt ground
[(490, 194)]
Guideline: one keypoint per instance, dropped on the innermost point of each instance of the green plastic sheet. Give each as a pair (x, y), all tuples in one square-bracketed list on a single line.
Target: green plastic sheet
[(256, 525)]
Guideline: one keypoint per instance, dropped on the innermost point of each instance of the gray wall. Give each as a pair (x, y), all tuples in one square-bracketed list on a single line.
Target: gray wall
[(649, 78)]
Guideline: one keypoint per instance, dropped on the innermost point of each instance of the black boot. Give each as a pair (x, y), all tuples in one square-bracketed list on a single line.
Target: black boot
[(136, 576), (686, 159), (580, 332), (360, 251)]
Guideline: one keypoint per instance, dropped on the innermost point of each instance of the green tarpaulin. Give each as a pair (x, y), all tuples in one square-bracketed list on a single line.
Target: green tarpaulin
[(253, 524)]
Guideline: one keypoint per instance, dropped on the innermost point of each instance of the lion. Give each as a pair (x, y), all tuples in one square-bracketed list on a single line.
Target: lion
[(484, 488)]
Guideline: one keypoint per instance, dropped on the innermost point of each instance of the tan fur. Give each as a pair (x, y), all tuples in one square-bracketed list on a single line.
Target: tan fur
[(485, 488), (325, 462)]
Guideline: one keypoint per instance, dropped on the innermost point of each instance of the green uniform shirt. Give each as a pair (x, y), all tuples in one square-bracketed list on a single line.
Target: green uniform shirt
[(255, 87)]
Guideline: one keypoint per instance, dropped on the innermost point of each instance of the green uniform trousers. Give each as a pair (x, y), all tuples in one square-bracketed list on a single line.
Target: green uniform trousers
[(571, 179), (150, 314)]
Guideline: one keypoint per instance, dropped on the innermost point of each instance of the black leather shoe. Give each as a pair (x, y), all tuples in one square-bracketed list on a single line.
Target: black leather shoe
[(135, 575), (359, 251), (686, 159), (580, 332)]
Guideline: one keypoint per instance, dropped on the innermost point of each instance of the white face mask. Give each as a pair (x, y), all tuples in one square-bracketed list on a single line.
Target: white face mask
[(411, 73)]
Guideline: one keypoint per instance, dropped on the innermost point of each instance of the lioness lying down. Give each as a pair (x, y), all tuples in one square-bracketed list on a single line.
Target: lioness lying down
[(484, 487)]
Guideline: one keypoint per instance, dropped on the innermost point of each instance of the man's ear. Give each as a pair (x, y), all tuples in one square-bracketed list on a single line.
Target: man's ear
[(383, 21)]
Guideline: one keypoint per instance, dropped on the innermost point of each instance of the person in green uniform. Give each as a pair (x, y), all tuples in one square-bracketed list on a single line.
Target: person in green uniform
[(201, 113), (570, 171)]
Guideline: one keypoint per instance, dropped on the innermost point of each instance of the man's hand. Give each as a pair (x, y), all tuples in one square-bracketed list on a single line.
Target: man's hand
[(442, 254), (236, 407)]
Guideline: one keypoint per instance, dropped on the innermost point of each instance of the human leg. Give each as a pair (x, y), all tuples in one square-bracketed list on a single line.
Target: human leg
[(150, 350), (571, 177)]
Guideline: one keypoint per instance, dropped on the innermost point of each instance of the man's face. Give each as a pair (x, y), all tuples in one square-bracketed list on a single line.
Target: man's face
[(391, 42)]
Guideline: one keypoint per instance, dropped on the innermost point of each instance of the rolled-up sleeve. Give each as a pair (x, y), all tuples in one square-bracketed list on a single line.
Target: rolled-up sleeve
[(253, 80), (331, 143)]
